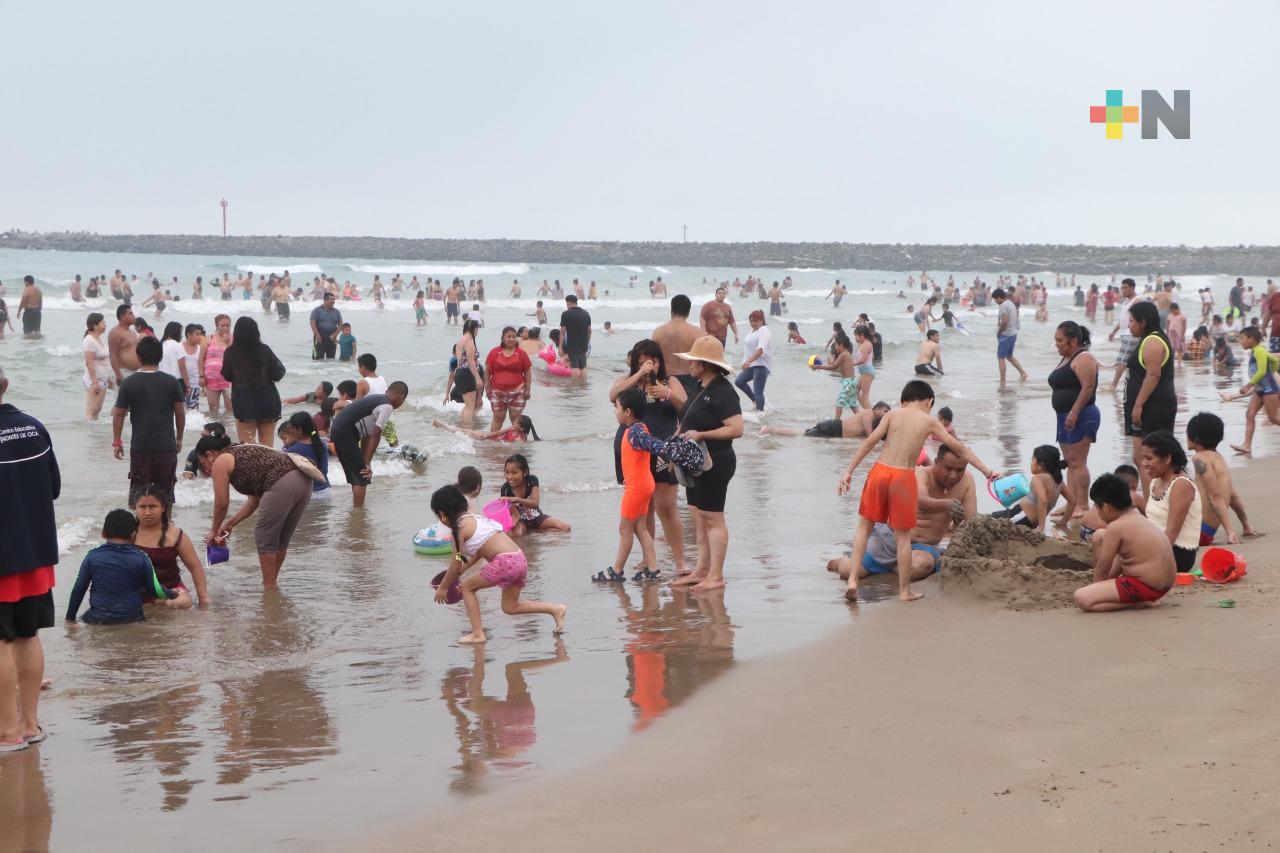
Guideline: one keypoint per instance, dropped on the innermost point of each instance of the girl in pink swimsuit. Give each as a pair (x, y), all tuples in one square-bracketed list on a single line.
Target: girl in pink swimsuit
[(217, 389)]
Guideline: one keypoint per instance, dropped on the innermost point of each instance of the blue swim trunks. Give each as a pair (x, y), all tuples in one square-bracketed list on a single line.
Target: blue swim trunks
[(1004, 346), (1087, 423), (881, 556)]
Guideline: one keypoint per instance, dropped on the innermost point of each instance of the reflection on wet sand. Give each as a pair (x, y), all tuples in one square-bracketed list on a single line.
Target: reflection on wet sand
[(491, 732), (273, 721), (160, 729), (26, 817), (676, 646)]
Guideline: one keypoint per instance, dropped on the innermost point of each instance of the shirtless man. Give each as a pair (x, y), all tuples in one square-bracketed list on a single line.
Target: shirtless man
[(859, 424), (122, 342), (677, 335), (451, 299), (29, 305), (1163, 298), (540, 314), (76, 294), (1132, 559), (946, 499), (1213, 479), (930, 354)]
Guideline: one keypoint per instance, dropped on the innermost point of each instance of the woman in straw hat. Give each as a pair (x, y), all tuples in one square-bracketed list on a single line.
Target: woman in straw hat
[(714, 415)]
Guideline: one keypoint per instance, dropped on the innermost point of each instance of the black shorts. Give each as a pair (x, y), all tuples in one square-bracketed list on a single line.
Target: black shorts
[(1184, 558), (464, 381), (450, 309), (577, 360), (347, 443), (21, 619), (324, 348), (926, 370), (710, 488), (31, 321), (1154, 419), (832, 428), (282, 310)]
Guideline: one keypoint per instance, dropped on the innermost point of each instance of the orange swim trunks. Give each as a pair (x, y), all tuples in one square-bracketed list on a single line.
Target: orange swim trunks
[(635, 501), (889, 495)]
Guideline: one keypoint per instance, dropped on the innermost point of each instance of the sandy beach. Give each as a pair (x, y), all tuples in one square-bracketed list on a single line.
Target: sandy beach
[(956, 724)]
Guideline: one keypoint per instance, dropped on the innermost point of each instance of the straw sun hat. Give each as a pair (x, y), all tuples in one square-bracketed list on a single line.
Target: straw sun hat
[(709, 349)]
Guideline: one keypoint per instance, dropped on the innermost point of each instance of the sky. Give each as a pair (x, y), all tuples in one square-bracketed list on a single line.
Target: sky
[(907, 122)]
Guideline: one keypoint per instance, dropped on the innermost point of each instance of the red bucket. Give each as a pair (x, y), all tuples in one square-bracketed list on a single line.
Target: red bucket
[(1222, 566)]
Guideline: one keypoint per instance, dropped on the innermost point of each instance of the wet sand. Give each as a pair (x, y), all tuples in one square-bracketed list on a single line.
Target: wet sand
[(956, 724)]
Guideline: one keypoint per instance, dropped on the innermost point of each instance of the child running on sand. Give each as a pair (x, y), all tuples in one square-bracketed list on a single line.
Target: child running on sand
[(889, 494), (528, 509), (639, 486), (1262, 389), (1046, 487), (843, 363), (1132, 561), (521, 430), (1213, 479), (478, 538), (117, 575)]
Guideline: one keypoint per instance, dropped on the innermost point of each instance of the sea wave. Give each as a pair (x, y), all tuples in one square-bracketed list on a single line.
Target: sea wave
[(441, 269), (263, 269), (74, 532)]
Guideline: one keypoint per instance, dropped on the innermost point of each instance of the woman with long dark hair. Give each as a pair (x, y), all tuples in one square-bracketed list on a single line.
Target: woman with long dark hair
[(1150, 399), (1173, 501), (253, 371), (1075, 383), (465, 380), (98, 376), (664, 399)]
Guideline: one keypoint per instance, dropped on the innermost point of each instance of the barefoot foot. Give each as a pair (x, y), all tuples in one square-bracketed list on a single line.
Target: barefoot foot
[(851, 593), (558, 614), (1242, 450), (708, 585), (910, 595), (689, 579), (475, 638)]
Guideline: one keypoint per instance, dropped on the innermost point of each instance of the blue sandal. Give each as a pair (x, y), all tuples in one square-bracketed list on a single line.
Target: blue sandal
[(646, 574), (611, 576)]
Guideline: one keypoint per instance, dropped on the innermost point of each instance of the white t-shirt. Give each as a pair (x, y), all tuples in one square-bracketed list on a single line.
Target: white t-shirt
[(759, 339), (101, 359), (1123, 316), (173, 354), (193, 365), (1009, 311)]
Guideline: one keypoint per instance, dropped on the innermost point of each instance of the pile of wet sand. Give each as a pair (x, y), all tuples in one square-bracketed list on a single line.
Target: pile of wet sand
[(1016, 566)]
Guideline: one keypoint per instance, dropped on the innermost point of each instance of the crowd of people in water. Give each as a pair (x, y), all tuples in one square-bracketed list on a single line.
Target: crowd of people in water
[(678, 414)]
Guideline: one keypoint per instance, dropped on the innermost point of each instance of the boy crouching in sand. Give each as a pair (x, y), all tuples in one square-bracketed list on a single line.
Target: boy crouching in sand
[(1132, 561), (890, 492)]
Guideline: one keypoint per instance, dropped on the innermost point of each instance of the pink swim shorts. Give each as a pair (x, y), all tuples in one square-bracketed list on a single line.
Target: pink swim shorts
[(506, 570)]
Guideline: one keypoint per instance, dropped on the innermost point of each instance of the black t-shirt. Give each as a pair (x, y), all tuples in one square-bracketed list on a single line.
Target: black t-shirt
[(577, 330), (1236, 298), (149, 396), (877, 346), (709, 408), (530, 483)]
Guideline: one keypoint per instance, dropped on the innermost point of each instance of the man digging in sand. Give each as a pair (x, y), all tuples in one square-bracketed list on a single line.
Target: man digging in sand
[(946, 500), (1133, 562), (889, 493)]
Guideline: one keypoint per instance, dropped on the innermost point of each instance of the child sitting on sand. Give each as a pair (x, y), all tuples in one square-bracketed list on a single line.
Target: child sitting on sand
[(1132, 561), (1213, 479), (638, 482), (890, 492), (478, 538), (115, 575), (528, 508), (1046, 487)]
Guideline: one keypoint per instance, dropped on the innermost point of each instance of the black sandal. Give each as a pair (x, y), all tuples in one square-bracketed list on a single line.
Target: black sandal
[(646, 574), (611, 576)]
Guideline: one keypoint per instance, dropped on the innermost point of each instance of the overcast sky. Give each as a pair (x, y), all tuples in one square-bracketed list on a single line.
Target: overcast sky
[(866, 122)]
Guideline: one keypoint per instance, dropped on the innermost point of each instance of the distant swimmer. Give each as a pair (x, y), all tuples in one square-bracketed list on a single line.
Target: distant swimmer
[(29, 307)]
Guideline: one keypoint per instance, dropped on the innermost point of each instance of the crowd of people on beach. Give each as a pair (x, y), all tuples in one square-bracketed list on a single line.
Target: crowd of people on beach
[(678, 415)]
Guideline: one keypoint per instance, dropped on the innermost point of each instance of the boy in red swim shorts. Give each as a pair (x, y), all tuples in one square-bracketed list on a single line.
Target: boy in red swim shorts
[(1133, 563), (889, 494), (638, 488)]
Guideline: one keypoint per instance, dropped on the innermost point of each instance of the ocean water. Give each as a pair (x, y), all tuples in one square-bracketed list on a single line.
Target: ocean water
[(296, 717)]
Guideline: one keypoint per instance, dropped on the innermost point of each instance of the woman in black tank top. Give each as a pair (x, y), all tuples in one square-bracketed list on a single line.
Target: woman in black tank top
[(1074, 382), (1150, 398)]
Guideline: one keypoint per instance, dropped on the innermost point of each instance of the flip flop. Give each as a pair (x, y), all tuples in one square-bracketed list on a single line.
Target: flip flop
[(39, 736), (13, 747)]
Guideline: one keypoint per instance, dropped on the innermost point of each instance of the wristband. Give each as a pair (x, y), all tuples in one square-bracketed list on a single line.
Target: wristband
[(117, 443)]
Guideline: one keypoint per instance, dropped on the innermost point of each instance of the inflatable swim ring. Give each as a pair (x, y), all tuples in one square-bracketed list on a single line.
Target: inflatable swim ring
[(548, 354), (555, 368), (434, 541)]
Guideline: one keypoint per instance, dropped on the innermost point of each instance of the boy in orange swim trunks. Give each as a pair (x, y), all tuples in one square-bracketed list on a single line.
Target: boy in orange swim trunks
[(889, 494), (638, 488)]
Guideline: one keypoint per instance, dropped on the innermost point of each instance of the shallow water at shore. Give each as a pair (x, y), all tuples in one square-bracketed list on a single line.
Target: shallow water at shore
[(287, 718)]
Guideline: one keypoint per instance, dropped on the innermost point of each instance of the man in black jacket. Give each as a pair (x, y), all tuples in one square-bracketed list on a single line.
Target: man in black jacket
[(29, 484)]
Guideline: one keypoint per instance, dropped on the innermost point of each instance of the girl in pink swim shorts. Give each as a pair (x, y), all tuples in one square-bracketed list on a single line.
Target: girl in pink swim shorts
[(479, 538)]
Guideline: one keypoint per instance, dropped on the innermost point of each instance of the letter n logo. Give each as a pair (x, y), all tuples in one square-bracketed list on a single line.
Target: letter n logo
[(1156, 110)]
